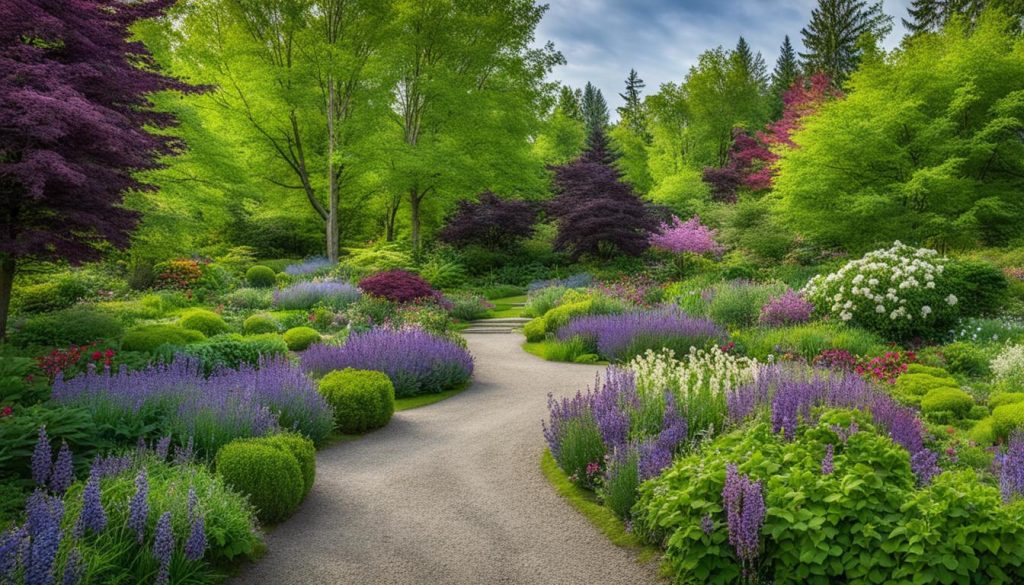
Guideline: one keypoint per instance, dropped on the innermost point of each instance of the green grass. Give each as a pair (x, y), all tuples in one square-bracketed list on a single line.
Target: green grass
[(553, 351), (427, 399), (586, 503), (503, 308)]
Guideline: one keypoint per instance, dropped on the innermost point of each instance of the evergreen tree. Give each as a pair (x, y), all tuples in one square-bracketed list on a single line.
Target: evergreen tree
[(570, 102), (750, 64), (633, 114), (594, 107), (785, 73), (833, 37), (926, 15), (932, 15)]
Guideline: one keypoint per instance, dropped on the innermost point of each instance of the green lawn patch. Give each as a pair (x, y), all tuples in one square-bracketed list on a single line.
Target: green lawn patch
[(427, 399), (506, 307)]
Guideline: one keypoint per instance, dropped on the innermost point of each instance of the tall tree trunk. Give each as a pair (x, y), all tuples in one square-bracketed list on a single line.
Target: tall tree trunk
[(7, 267), (332, 179), (414, 202)]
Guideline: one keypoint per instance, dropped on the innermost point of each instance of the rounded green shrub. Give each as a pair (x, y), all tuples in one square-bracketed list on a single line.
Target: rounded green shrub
[(302, 449), (1007, 418), (910, 388), (149, 337), (206, 322), (966, 358), (74, 326), (261, 277), (362, 399), (300, 338), (1002, 398), (257, 324), (947, 399), (930, 370), (270, 476), (534, 329), (983, 432)]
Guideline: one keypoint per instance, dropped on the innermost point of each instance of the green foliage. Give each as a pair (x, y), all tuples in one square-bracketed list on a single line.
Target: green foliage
[(149, 337), (269, 476), (1007, 419), (535, 329), (502, 291), (206, 322), (966, 359), (443, 273), (570, 350), (581, 444), (542, 301), (300, 338), (1002, 398), (983, 432), (260, 324), (911, 388), (77, 326), (468, 307), (807, 340), (595, 305), (50, 296), (19, 434), (261, 277), (362, 400), (738, 304), (947, 399), (22, 382), (233, 351), (980, 286), (299, 447)]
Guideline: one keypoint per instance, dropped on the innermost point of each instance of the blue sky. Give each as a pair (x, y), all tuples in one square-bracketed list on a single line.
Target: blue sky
[(661, 39)]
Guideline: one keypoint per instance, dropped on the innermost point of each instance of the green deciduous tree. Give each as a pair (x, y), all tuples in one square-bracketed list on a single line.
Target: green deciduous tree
[(925, 148), (835, 37)]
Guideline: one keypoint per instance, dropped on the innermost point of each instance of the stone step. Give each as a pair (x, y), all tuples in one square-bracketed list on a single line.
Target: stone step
[(503, 321), (489, 330)]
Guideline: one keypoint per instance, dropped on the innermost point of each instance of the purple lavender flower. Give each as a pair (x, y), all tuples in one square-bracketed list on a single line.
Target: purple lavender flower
[(72, 568), (163, 548), (111, 465), (617, 335), (656, 454), (416, 361), (309, 266), (11, 544), (93, 517), (43, 518), (827, 463), (195, 546), (560, 412), (306, 295), (162, 447), (63, 471), (745, 510), (1011, 468), (707, 524), (925, 465), (42, 459), (138, 507), (611, 405), (184, 454)]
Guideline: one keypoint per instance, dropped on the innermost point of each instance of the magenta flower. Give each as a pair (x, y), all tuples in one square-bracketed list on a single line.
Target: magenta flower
[(690, 236), (788, 309)]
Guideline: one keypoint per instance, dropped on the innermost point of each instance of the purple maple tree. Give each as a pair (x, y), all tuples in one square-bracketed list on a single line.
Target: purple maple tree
[(492, 222), (73, 117), (596, 213)]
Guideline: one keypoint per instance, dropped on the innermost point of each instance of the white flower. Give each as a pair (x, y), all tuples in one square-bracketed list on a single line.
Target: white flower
[(880, 309), (925, 311), (845, 315), (930, 284), (837, 298), (951, 300), (873, 282)]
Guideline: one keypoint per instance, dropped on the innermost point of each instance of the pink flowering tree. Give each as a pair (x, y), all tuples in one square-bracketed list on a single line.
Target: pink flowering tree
[(686, 237)]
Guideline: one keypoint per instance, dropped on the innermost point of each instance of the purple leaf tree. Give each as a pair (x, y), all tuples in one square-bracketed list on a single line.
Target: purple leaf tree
[(492, 222), (73, 117)]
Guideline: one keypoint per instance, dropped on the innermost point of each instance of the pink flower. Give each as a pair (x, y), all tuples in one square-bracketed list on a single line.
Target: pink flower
[(690, 236)]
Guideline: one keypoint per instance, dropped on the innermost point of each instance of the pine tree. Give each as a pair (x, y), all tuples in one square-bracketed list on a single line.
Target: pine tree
[(594, 107), (633, 114), (926, 15), (833, 37), (932, 15), (785, 73), (750, 64)]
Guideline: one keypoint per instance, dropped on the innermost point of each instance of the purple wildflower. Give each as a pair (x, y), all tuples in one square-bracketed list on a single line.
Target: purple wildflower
[(689, 236), (162, 447), (707, 524), (138, 507), (744, 507), (617, 335), (195, 546), (63, 471), (827, 462), (11, 544), (93, 517), (309, 266), (43, 518), (306, 295), (925, 465), (42, 459), (656, 454), (72, 568), (111, 465), (184, 454), (192, 503), (1011, 468), (788, 309), (612, 403), (163, 548)]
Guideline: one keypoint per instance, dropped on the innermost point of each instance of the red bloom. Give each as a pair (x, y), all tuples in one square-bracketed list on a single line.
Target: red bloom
[(97, 355), (6, 411)]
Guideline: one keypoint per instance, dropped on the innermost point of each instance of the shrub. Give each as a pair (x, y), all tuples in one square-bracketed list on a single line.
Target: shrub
[(19, 434), (50, 296), (468, 307), (233, 351), (306, 295), (562, 315), (543, 300), (980, 286), (898, 293), (1007, 418), (443, 273), (299, 447), (807, 340), (690, 236), (620, 337), (947, 399), (983, 432), (535, 329), (362, 400), (76, 326), (910, 388), (491, 222), (300, 338), (269, 476), (738, 303), (1008, 366), (377, 258), (398, 286), (261, 277), (788, 309), (502, 291), (149, 337), (206, 322), (416, 361), (260, 324), (1002, 398), (180, 274)]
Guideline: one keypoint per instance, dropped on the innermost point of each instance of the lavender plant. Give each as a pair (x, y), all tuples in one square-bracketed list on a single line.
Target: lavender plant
[(306, 295), (621, 337)]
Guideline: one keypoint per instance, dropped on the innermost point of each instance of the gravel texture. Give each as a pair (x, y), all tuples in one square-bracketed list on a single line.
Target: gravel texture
[(450, 493)]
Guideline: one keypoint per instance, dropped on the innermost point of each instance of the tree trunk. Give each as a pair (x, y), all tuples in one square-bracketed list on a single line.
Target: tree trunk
[(332, 179), (414, 202), (7, 266)]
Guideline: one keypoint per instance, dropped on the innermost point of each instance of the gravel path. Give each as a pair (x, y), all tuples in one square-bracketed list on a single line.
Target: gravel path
[(450, 494)]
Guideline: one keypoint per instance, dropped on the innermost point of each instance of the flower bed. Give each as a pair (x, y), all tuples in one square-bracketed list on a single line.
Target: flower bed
[(620, 337)]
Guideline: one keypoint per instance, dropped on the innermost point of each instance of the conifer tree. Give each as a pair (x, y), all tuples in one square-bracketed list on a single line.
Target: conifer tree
[(632, 113), (594, 107), (785, 73), (835, 35)]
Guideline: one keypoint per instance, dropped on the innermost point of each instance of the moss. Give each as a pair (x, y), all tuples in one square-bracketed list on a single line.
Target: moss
[(300, 338)]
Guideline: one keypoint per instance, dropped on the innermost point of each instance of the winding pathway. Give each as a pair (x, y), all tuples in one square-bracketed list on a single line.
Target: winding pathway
[(450, 494)]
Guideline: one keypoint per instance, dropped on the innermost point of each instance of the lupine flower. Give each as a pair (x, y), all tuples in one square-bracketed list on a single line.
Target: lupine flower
[(827, 463), (72, 568), (195, 546), (92, 517), (744, 506), (163, 548), (162, 447), (925, 465), (11, 544), (43, 518), (42, 459), (707, 524), (615, 334), (111, 465), (138, 507), (63, 471), (1011, 468)]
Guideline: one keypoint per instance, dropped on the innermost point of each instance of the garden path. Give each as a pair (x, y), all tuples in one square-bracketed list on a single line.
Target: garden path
[(451, 493)]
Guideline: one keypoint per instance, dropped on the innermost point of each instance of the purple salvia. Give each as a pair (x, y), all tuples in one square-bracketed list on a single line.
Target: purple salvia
[(707, 524), (63, 471), (93, 518), (43, 520), (73, 568), (11, 545), (138, 507), (745, 511), (827, 462), (657, 453), (42, 459), (184, 454), (925, 465), (1011, 468), (162, 447), (192, 504), (611, 406), (163, 548), (195, 546)]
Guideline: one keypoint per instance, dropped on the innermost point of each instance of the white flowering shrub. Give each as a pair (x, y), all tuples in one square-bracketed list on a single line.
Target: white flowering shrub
[(898, 293), (1008, 366)]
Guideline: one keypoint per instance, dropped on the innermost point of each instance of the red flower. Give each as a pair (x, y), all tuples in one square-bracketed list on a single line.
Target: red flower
[(6, 411), (109, 353), (97, 355)]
